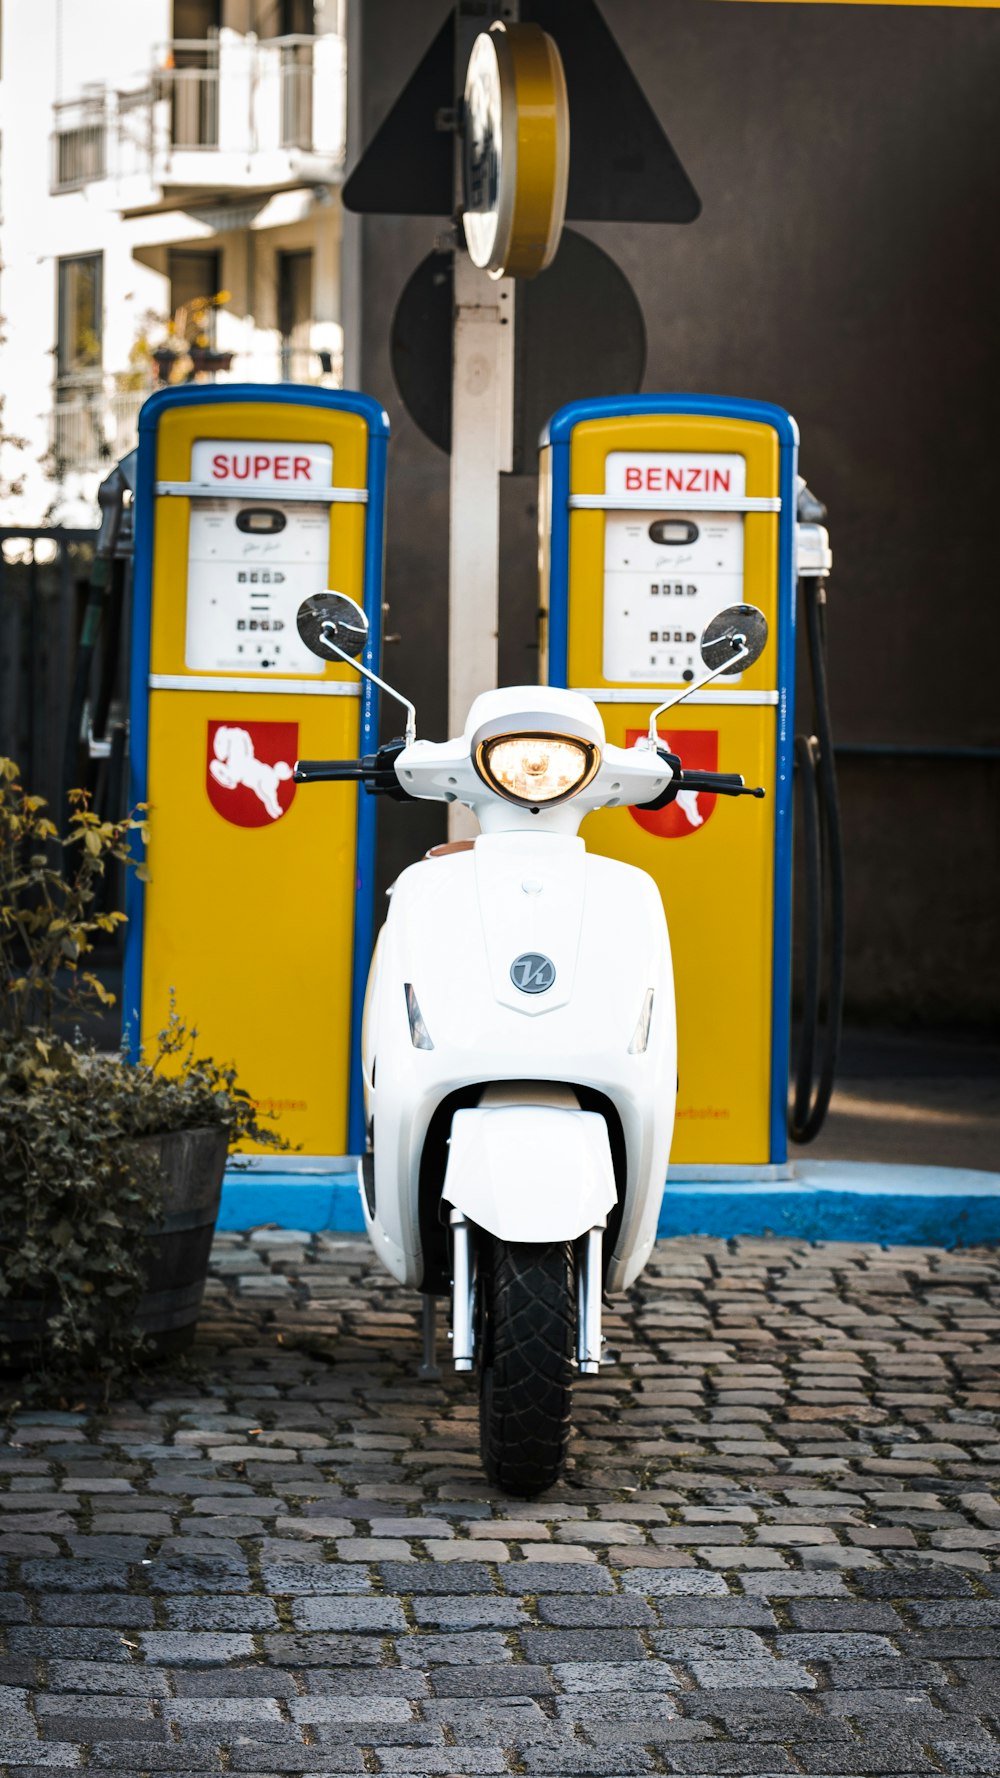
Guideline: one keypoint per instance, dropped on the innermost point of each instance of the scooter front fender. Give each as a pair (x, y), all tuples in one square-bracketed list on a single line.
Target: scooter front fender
[(532, 1173)]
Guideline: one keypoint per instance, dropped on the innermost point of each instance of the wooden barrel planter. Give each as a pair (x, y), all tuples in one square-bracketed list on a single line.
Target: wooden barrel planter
[(192, 1163)]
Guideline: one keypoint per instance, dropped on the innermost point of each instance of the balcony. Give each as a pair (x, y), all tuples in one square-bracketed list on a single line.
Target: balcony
[(95, 418), (215, 114)]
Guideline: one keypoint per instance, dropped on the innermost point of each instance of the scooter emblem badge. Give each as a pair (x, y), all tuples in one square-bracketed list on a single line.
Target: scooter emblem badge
[(532, 973)]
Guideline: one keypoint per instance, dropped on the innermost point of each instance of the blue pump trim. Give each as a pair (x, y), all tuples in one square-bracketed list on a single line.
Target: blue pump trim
[(781, 954), (558, 434), (377, 422), (346, 401), (364, 907)]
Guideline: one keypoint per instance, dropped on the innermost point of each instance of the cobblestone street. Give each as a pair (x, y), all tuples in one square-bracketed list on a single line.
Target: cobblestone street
[(775, 1550)]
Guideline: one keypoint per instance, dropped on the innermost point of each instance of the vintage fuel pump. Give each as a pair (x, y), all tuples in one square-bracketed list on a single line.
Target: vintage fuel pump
[(257, 915), (655, 512)]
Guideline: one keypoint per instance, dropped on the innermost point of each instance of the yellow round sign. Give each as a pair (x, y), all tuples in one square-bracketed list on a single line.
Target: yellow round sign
[(516, 166)]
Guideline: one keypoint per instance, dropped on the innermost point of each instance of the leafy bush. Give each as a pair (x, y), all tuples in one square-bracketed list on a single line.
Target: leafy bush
[(50, 913), (80, 1192)]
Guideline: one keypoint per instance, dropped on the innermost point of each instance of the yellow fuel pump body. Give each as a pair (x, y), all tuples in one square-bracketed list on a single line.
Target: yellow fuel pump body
[(656, 512), (256, 917)]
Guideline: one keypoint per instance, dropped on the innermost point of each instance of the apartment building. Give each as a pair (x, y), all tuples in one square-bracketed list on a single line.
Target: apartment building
[(170, 202)]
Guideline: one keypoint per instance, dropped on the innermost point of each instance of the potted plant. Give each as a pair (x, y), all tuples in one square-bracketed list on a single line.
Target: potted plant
[(110, 1172), (185, 350)]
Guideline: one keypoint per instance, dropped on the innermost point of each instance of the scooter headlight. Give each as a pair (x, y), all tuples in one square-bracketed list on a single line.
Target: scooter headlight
[(536, 768)]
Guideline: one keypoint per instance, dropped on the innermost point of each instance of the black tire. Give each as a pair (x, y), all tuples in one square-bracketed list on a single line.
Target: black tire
[(528, 1306)]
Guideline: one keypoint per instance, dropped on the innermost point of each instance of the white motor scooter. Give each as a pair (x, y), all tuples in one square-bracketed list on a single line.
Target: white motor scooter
[(519, 1038)]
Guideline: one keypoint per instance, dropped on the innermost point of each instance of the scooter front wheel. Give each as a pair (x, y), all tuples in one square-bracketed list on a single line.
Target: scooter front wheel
[(526, 1380)]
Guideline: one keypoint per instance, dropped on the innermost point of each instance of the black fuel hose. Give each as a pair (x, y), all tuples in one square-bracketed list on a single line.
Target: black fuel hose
[(111, 496), (116, 598), (824, 888)]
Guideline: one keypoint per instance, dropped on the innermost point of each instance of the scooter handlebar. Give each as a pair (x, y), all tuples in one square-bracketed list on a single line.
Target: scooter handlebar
[(376, 771), (712, 783)]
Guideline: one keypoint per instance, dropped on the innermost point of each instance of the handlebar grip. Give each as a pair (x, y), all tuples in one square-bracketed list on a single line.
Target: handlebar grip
[(328, 771), (718, 784), (720, 781)]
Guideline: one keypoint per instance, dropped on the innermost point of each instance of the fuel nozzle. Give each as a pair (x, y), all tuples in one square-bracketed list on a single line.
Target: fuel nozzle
[(813, 555), (808, 510)]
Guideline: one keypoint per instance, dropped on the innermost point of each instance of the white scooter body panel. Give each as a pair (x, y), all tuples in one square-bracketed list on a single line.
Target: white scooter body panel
[(456, 925), (530, 1173)]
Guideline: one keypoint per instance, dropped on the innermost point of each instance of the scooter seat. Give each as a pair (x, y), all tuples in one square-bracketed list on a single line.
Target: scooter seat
[(448, 847)]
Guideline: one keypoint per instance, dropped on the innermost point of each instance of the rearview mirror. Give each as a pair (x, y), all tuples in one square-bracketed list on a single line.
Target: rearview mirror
[(741, 632), (330, 621)]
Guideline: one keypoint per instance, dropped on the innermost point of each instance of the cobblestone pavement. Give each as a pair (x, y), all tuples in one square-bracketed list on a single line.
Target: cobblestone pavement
[(775, 1551)]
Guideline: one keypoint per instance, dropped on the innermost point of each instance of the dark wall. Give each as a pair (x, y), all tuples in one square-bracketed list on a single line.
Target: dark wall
[(846, 265)]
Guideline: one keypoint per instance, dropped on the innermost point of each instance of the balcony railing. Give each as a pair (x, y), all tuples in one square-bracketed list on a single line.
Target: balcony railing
[(192, 95), (95, 419), (79, 143), (241, 95), (220, 111), (94, 422)]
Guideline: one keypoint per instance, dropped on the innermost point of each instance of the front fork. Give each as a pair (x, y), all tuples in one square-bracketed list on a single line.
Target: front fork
[(589, 1281), (463, 1293)]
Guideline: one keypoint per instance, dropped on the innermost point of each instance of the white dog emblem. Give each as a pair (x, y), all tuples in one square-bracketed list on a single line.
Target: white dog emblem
[(235, 764), (687, 802)]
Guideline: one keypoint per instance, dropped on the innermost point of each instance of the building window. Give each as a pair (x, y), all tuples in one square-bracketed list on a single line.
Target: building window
[(285, 18), (80, 438), (192, 79), (80, 342)]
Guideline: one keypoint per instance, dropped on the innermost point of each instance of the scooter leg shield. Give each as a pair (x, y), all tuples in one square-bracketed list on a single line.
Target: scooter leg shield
[(530, 1173)]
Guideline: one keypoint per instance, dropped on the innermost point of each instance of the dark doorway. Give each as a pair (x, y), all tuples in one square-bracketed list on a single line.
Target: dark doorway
[(195, 19), (298, 18), (295, 313), (195, 276)]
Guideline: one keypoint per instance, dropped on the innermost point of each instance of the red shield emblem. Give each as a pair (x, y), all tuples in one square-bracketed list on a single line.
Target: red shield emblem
[(699, 750), (248, 772)]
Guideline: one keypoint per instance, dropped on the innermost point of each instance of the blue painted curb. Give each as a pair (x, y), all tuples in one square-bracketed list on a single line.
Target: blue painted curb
[(291, 1200), (826, 1201)]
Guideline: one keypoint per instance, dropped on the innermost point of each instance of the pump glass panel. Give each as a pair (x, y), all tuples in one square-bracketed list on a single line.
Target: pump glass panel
[(252, 556), (669, 569)]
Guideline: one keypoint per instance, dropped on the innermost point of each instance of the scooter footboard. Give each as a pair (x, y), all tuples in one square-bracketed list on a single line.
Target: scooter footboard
[(533, 1173)]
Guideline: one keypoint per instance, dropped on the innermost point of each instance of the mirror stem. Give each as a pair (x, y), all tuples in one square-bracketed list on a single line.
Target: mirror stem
[(411, 709), (696, 685)]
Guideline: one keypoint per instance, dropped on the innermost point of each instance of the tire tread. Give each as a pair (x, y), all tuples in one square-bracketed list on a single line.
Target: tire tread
[(527, 1381)]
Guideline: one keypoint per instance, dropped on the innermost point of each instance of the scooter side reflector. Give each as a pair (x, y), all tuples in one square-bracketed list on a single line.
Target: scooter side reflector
[(420, 1037), (640, 1036)]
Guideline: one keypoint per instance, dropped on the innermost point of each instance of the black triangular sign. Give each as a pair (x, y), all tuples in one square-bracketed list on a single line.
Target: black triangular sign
[(408, 168), (622, 167)]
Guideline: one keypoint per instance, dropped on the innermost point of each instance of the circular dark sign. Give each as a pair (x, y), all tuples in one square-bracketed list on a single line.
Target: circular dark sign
[(579, 332)]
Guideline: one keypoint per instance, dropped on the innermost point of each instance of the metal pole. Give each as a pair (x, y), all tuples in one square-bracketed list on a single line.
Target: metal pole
[(482, 430)]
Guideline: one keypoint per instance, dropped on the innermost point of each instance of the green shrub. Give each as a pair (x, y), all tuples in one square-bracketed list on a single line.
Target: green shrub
[(79, 1191)]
